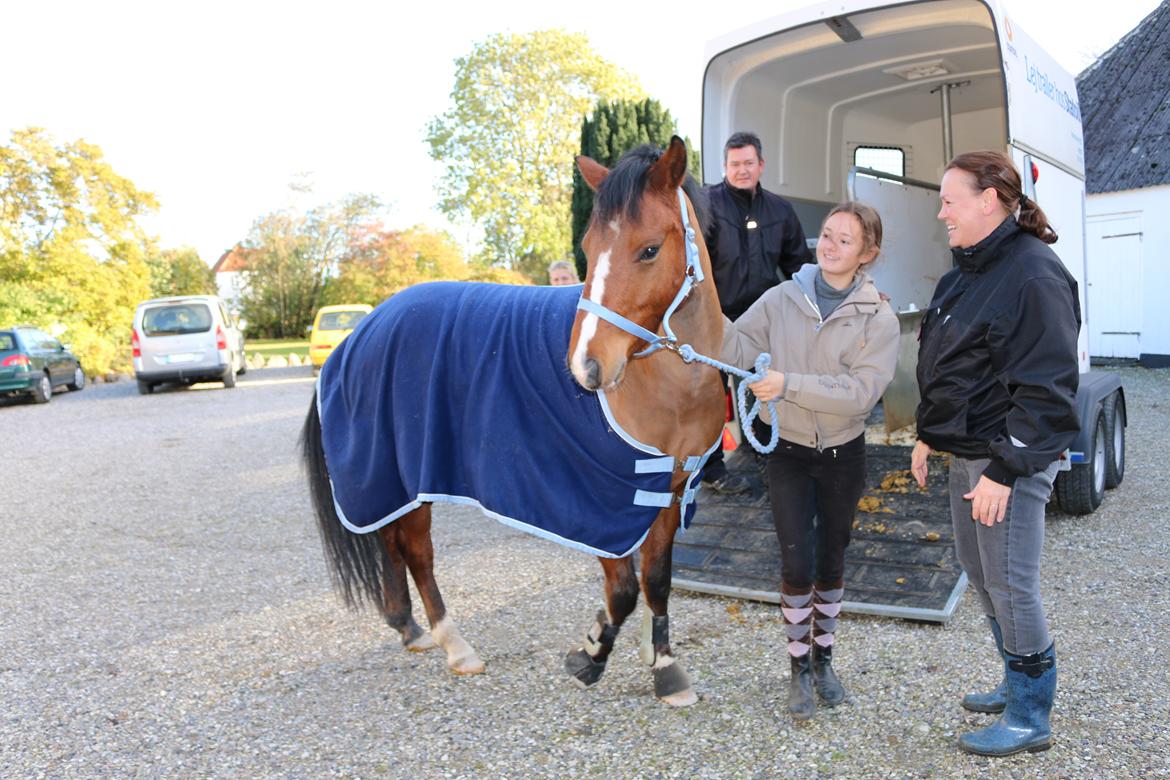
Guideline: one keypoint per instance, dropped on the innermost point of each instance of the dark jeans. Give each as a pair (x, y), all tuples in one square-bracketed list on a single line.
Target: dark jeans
[(814, 498)]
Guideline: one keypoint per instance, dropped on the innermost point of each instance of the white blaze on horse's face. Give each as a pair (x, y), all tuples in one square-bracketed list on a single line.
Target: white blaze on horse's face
[(589, 324)]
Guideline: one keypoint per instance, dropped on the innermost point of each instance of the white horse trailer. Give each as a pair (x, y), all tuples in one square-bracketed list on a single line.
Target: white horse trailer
[(866, 100)]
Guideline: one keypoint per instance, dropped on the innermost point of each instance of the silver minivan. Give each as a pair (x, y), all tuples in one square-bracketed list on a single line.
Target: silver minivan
[(188, 339)]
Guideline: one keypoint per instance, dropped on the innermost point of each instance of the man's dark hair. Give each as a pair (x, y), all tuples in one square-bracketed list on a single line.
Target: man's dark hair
[(740, 140)]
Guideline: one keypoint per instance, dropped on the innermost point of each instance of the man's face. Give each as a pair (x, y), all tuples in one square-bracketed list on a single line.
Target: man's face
[(743, 167)]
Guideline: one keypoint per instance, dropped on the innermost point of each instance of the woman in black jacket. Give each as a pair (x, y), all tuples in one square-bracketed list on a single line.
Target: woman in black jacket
[(997, 372)]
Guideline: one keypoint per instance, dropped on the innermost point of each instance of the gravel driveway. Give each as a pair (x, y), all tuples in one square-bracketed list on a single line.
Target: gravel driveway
[(165, 612)]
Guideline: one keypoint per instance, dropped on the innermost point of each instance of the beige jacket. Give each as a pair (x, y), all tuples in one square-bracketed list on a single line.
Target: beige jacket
[(835, 370)]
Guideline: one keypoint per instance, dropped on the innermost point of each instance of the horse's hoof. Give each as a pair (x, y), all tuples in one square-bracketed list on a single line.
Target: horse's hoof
[(466, 665), (582, 668), (683, 699), (421, 644), (673, 686)]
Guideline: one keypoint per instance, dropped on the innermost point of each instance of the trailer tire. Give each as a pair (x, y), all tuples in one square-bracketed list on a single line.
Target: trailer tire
[(1081, 489), (1115, 440)]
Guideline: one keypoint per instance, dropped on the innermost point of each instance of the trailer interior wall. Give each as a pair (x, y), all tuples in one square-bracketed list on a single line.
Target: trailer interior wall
[(813, 97), (1128, 277)]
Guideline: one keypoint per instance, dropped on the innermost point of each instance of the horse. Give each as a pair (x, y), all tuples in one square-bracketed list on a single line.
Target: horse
[(647, 290)]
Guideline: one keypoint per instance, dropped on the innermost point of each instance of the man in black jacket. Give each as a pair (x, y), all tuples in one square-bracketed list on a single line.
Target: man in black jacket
[(755, 242)]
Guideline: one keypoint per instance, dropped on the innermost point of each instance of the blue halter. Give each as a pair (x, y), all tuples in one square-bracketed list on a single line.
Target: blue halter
[(693, 276)]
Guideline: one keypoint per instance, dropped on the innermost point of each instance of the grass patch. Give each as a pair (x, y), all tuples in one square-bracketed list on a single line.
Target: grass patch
[(270, 347)]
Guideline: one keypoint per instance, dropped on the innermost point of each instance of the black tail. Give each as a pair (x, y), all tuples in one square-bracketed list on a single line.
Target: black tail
[(357, 562)]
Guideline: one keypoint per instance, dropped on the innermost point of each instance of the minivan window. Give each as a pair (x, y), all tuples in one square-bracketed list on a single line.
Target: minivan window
[(176, 319), (340, 320), (7, 342)]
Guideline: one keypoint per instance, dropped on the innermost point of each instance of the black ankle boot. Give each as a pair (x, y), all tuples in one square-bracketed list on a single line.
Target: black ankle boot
[(800, 688), (828, 687)]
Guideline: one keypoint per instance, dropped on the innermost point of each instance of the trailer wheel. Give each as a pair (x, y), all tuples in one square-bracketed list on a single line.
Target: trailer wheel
[(1081, 489), (1115, 440)]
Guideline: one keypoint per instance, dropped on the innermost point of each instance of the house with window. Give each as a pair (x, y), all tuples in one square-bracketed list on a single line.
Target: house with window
[(1125, 106), (231, 277)]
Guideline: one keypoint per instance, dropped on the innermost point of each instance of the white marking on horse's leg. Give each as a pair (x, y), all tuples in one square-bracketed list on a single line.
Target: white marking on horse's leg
[(646, 643), (461, 658), (589, 324)]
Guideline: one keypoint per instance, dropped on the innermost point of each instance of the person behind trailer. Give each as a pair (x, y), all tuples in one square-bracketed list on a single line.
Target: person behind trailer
[(997, 373), (834, 345), (561, 272), (755, 242)]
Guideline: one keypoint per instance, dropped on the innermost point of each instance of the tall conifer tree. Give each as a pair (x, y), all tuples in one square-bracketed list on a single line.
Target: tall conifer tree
[(614, 128)]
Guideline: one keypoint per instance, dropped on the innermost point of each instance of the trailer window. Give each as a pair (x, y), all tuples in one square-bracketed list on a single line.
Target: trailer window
[(887, 159)]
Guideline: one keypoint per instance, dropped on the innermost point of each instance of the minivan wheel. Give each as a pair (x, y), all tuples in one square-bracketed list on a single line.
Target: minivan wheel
[(145, 388), (229, 379), (78, 379), (42, 391)]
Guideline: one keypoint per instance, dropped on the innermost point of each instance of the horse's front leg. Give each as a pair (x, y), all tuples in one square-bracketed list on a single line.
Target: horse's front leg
[(587, 663), (671, 682)]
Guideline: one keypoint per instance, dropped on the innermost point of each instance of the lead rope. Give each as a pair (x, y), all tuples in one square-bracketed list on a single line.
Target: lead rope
[(746, 416)]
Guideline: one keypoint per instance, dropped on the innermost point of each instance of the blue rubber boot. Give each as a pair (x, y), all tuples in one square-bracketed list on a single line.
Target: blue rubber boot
[(1024, 723), (992, 701)]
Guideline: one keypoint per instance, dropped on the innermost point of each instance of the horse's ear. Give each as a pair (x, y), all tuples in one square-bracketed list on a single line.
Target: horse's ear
[(592, 172), (670, 170)]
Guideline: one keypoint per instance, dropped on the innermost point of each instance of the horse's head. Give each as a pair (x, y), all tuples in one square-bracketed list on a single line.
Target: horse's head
[(636, 252)]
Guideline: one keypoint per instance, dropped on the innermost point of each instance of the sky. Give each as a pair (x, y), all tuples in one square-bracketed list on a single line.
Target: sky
[(217, 107)]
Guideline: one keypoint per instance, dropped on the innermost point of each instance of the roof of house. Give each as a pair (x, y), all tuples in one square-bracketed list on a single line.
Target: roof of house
[(1125, 108), (235, 259)]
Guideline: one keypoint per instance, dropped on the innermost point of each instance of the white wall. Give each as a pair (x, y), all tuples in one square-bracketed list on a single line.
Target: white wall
[(1145, 209), (970, 131)]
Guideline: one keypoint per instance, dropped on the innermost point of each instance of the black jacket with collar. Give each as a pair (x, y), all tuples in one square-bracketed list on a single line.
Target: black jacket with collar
[(742, 276), (997, 358)]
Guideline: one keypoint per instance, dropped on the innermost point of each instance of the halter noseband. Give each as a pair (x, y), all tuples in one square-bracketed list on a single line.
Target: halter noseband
[(692, 276)]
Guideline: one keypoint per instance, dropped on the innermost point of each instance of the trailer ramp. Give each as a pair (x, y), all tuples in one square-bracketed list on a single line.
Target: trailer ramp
[(901, 561)]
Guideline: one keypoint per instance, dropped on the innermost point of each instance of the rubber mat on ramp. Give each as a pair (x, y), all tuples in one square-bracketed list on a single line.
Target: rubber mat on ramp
[(901, 561)]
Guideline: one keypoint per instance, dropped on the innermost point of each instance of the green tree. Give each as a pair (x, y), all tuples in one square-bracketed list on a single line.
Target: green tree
[(509, 138), (292, 258), (614, 128), (179, 272), (72, 254)]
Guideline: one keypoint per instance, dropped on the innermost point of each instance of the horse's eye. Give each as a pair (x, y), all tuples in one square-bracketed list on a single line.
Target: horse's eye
[(649, 253)]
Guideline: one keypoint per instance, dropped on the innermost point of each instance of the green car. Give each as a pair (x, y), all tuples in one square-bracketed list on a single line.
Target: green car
[(33, 362)]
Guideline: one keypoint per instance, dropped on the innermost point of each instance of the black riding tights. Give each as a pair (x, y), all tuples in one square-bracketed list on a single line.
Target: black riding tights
[(814, 498)]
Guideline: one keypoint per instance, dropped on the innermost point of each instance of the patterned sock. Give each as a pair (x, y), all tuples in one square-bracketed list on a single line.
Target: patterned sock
[(827, 606), (797, 610)]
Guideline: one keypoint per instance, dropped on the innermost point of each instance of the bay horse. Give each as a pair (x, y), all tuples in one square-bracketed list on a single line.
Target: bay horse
[(407, 414)]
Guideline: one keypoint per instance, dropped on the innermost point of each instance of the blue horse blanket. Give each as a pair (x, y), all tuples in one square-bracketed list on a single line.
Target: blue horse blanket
[(460, 393)]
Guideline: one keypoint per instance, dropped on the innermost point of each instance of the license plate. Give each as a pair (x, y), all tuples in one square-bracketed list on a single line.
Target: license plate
[(182, 357)]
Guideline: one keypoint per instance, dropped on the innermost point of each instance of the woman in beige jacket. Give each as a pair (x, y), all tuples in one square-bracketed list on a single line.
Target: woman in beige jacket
[(834, 344)]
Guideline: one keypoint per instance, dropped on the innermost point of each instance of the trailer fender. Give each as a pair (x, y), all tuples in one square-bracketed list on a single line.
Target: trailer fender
[(1094, 388)]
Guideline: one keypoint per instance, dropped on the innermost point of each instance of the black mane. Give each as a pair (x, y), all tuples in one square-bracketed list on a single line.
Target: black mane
[(622, 189)]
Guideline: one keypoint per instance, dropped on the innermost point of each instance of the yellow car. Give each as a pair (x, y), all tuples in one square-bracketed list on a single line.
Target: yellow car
[(332, 325)]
